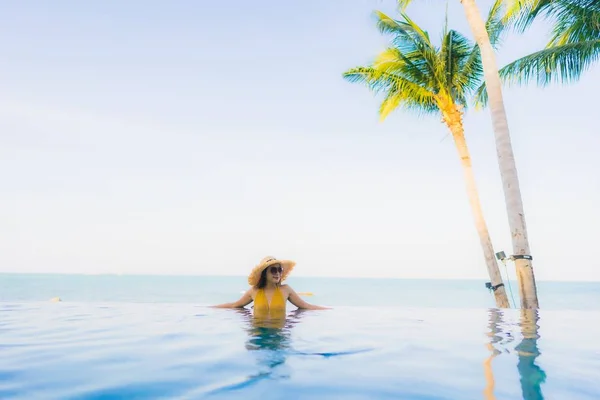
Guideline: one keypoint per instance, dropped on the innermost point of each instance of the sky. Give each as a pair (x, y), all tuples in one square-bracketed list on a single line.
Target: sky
[(197, 137)]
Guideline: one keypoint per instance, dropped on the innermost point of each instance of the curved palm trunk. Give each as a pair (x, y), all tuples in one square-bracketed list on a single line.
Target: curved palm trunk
[(453, 119), (506, 159)]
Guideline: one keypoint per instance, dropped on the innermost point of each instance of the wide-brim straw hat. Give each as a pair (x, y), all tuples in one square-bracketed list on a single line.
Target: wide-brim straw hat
[(265, 263)]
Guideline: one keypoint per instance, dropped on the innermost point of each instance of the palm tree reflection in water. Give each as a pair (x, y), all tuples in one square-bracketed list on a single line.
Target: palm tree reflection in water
[(495, 338), (531, 375), (269, 335)]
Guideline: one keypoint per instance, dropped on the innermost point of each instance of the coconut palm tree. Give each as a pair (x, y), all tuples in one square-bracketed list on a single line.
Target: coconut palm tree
[(573, 47), (416, 75), (506, 160)]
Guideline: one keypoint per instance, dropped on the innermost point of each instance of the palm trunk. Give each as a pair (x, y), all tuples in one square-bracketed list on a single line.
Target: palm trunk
[(506, 159), (453, 119)]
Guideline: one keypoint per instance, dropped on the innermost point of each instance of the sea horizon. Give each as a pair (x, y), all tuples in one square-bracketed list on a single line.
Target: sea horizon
[(331, 291), (134, 274)]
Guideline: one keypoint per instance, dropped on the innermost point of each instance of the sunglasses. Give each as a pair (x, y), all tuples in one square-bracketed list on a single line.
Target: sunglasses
[(274, 270)]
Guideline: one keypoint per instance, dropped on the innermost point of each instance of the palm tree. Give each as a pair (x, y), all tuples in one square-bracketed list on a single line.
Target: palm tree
[(573, 47), (506, 158), (574, 43), (416, 75)]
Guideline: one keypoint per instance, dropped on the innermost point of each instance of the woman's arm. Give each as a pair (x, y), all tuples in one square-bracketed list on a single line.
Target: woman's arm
[(298, 302), (242, 302)]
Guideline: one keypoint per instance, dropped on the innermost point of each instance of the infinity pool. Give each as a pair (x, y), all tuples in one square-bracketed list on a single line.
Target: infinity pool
[(183, 351)]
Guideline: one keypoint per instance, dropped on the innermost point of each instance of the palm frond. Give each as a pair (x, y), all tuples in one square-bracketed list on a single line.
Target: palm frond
[(574, 21), (494, 24), (423, 35), (404, 34), (480, 98), (387, 24), (572, 48), (463, 66), (411, 40), (562, 64), (400, 92), (379, 80), (562, 14), (393, 60), (403, 4), (521, 13), (390, 60), (389, 104), (447, 62)]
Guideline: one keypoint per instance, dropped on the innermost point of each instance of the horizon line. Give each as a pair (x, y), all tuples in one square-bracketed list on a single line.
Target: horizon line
[(298, 276)]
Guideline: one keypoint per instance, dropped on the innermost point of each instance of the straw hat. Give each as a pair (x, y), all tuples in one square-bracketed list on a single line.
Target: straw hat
[(265, 263)]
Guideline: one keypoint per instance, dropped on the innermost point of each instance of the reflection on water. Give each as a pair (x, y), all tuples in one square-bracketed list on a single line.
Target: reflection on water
[(269, 335), (531, 375), (495, 337)]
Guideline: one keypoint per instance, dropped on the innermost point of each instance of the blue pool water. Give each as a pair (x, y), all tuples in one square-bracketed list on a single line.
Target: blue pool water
[(154, 338)]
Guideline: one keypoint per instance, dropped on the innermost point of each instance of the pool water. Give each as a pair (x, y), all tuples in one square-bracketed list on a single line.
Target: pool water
[(120, 350)]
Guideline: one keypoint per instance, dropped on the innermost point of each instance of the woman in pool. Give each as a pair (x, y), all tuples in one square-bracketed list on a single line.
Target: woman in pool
[(266, 290)]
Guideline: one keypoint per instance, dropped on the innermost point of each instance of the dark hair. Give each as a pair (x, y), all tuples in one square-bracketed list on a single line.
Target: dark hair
[(262, 282)]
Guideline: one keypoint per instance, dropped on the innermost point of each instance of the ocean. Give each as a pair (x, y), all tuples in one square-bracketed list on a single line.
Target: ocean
[(153, 337)]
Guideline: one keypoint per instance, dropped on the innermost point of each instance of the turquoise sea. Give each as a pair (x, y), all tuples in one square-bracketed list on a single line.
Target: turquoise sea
[(152, 337)]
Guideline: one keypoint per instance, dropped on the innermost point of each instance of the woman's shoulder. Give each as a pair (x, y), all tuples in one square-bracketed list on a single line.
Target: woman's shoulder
[(286, 288), (252, 290)]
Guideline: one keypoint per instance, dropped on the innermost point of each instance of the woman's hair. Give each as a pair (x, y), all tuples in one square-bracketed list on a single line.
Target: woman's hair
[(262, 282)]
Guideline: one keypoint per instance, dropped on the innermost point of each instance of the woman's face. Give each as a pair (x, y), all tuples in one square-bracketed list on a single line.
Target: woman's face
[(274, 273)]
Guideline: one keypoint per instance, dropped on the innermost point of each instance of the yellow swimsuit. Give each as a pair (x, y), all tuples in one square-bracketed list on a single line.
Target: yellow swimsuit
[(263, 309)]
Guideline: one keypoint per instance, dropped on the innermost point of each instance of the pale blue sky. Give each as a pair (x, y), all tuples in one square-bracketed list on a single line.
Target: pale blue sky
[(196, 137)]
